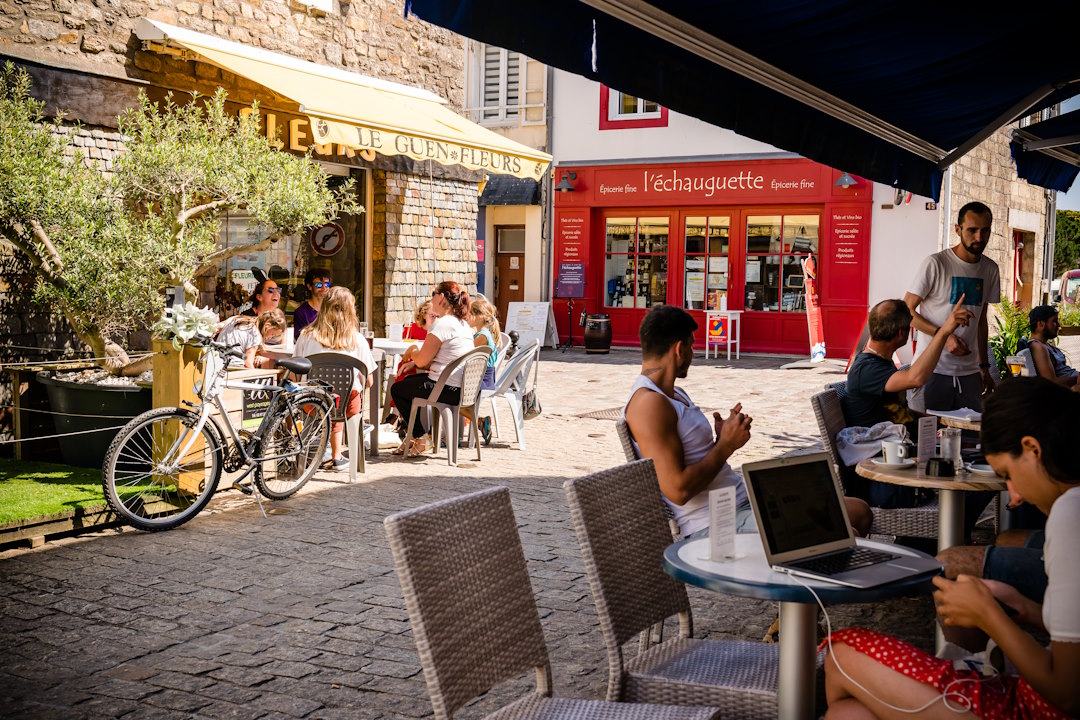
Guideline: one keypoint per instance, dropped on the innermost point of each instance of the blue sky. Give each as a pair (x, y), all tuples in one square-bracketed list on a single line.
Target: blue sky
[(1071, 199)]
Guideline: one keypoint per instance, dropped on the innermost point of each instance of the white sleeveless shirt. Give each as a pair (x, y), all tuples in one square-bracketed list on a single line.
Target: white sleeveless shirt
[(696, 433)]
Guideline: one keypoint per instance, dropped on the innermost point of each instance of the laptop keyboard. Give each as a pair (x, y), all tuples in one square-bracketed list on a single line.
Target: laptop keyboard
[(843, 561)]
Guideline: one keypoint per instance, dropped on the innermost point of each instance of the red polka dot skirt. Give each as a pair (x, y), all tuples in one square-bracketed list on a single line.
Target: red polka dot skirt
[(999, 697)]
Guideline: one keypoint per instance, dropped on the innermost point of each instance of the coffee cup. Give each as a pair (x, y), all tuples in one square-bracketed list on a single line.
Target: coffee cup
[(894, 451)]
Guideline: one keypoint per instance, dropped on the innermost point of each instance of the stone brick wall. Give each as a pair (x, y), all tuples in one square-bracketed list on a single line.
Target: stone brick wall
[(987, 174), (430, 231), (366, 36)]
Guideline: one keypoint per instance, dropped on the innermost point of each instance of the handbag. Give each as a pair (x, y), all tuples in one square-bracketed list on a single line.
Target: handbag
[(530, 404)]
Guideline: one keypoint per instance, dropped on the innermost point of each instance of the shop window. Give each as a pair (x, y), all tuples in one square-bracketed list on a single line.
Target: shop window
[(636, 261), (775, 248), (705, 273), (619, 110), (237, 277)]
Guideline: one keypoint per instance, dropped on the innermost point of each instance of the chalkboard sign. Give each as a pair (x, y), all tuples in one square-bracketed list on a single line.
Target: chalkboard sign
[(532, 321), (256, 403)]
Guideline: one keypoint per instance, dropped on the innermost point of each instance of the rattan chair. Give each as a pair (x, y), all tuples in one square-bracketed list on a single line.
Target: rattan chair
[(473, 614), (622, 533), (919, 521), (627, 441)]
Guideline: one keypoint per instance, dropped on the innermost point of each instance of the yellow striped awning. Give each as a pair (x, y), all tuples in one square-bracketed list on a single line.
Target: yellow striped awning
[(361, 112)]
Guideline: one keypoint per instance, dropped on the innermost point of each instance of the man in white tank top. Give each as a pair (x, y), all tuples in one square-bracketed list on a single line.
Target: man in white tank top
[(671, 430)]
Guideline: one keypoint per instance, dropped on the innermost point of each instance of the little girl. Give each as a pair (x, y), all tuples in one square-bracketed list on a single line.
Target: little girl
[(485, 322)]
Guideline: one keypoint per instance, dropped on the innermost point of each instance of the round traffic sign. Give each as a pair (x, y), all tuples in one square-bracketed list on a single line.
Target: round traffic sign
[(327, 240)]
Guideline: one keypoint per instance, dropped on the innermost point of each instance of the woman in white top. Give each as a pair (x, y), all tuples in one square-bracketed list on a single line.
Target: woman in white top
[(449, 338), (336, 329), (1029, 438)]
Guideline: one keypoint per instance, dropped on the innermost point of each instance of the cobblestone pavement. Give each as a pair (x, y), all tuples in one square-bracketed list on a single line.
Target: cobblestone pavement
[(301, 615)]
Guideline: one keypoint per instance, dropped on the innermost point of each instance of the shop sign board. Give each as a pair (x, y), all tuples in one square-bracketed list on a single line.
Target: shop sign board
[(327, 240), (573, 237), (711, 183), (571, 280), (718, 328), (256, 403)]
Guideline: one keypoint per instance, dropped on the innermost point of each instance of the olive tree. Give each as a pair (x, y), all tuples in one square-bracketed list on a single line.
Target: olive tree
[(104, 248)]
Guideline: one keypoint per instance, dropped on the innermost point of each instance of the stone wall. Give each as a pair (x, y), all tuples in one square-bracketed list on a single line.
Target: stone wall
[(430, 231), (367, 36), (987, 174)]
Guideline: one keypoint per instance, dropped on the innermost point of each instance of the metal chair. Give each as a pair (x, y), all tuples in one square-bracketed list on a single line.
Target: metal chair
[(472, 365), (515, 379), (919, 521), (337, 369), (622, 533), (463, 575)]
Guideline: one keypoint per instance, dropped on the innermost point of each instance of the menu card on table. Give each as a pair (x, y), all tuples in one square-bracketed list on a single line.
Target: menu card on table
[(927, 440), (721, 524)]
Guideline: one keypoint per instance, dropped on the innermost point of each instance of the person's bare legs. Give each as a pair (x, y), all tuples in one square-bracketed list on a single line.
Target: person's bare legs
[(860, 515), (849, 702)]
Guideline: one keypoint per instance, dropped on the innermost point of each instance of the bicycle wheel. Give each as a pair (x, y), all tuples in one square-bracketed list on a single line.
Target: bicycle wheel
[(304, 431), (148, 483)]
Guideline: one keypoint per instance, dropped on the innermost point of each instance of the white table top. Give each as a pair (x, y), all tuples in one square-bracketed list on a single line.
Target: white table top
[(394, 347), (725, 312)]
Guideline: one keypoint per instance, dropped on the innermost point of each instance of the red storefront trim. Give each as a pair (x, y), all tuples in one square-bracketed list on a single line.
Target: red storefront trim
[(736, 189)]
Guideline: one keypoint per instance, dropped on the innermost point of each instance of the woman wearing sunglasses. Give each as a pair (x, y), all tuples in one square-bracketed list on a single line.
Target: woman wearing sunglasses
[(317, 282), (266, 297)]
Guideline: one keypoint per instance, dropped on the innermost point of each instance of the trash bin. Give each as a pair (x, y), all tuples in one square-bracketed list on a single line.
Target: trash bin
[(598, 333)]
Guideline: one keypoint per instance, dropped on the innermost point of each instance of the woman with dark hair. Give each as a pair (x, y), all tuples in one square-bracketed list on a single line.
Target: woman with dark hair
[(449, 338), (266, 297), (1029, 438)]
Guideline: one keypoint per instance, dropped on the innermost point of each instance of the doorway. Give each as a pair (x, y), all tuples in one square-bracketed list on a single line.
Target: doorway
[(1023, 267), (509, 267)]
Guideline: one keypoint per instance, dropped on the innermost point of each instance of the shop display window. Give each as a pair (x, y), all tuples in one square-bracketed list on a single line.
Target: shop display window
[(705, 268), (237, 276), (635, 261), (775, 248)]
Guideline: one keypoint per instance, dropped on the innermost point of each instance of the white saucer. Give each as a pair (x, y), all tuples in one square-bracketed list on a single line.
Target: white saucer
[(905, 464), (981, 469)]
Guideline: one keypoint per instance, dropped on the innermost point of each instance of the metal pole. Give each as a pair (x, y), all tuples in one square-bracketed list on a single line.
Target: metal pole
[(798, 671)]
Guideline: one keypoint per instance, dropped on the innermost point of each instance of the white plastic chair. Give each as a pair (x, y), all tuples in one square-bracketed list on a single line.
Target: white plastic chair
[(337, 369), (472, 365), (501, 346), (1029, 363), (516, 378)]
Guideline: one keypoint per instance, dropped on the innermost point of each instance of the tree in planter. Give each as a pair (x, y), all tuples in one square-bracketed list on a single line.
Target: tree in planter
[(104, 249)]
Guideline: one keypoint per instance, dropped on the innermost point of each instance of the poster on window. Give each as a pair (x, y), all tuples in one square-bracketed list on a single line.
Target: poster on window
[(695, 286), (753, 271), (718, 264)]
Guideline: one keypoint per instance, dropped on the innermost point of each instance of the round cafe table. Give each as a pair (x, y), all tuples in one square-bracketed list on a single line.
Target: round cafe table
[(950, 493), (748, 574)]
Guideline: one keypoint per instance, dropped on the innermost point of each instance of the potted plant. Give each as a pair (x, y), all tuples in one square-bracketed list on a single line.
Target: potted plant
[(105, 249), (1012, 326)]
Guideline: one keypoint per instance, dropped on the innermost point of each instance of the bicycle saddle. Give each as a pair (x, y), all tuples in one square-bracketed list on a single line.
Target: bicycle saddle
[(298, 365)]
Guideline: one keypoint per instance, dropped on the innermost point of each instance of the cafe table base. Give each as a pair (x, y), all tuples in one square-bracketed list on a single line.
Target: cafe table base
[(798, 660)]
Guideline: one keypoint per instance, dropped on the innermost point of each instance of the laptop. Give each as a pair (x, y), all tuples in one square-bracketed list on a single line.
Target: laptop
[(804, 526)]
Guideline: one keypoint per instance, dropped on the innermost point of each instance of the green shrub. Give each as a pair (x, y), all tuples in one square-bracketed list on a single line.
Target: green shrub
[(1012, 325), (1069, 314)]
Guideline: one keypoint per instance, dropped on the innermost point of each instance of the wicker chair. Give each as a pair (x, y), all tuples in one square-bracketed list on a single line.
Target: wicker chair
[(622, 534), (473, 615), (919, 521), (627, 442)]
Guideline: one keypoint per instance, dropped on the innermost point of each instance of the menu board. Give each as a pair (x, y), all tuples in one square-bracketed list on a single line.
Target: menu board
[(532, 321), (571, 283)]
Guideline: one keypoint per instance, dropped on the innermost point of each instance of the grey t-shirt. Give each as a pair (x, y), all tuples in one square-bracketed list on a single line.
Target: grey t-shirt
[(941, 280)]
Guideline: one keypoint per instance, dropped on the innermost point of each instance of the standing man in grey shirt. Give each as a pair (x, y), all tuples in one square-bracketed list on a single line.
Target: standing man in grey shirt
[(962, 374)]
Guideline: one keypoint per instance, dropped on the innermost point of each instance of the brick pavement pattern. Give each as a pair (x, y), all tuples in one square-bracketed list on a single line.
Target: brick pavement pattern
[(300, 615)]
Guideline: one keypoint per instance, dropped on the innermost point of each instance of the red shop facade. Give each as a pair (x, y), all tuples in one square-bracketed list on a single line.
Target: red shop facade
[(697, 235)]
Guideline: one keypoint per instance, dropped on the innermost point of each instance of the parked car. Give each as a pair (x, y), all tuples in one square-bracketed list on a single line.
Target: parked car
[(1069, 288)]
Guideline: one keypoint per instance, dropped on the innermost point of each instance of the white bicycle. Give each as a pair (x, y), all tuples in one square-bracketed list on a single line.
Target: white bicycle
[(164, 465)]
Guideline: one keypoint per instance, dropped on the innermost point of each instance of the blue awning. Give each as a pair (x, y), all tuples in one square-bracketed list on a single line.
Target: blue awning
[(891, 92), (1048, 153)]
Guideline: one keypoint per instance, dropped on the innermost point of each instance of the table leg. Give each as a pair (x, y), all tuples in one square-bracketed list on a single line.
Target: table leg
[(738, 337), (1005, 518), (798, 642), (950, 533), (374, 400)]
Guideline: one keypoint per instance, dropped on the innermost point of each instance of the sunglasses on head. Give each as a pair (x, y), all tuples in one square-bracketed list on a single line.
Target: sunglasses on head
[(319, 285)]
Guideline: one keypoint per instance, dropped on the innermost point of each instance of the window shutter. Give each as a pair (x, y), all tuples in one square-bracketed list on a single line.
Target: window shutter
[(513, 83)]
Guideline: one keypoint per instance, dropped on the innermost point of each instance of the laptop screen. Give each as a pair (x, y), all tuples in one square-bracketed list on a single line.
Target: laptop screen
[(798, 505)]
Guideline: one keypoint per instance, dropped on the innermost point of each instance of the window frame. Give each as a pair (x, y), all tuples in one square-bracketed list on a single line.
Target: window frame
[(625, 122), (506, 115)]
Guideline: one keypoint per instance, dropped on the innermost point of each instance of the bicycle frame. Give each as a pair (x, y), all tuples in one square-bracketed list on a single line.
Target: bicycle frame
[(210, 390)]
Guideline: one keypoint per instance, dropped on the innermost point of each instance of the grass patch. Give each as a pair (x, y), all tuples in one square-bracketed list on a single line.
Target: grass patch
[(32, 490)]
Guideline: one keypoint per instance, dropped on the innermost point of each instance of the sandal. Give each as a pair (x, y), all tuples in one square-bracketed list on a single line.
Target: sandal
[(419, 447), (402, 448)]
